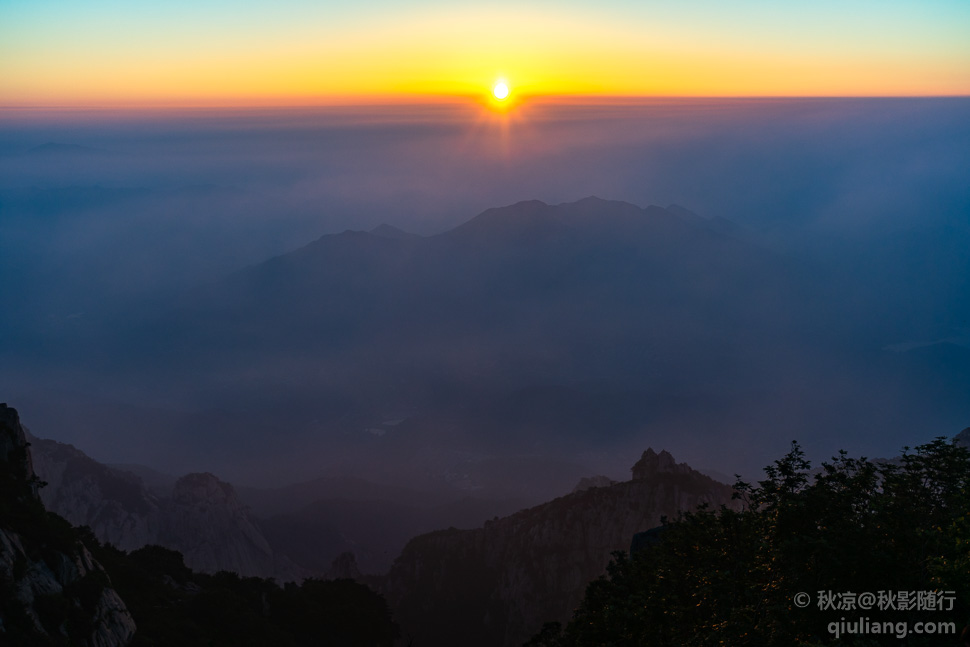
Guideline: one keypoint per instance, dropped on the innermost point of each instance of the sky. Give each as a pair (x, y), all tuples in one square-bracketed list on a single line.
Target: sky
[(297, 52), (151, 148)]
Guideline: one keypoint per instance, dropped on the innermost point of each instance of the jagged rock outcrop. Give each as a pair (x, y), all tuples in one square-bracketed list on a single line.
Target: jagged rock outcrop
[(651, 463), (202, 518), (111, 623), (19, 479), (496, 585), (52, 587), (205, 521)]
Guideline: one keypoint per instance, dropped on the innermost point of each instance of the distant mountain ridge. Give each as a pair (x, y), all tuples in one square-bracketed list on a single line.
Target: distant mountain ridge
[(580, 327), (385, 230), (521, 296), (201, 516), (295, 532)]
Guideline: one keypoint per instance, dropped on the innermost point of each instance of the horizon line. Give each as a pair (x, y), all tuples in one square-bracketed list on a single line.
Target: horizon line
[(402, 100)]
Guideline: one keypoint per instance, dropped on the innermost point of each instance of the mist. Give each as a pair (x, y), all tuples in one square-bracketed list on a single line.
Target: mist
[(110, 222)]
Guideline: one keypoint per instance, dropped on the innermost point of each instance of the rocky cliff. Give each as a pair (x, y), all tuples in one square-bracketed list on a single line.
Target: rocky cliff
[(205, 521), (202, 517), (53, 591), (496, 585), (115, 504)]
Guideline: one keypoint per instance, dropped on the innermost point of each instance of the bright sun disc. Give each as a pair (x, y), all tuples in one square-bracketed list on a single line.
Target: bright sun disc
[(500, 90)]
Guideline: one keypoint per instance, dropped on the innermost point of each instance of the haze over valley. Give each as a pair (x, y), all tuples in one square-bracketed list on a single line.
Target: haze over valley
[(279, 296)]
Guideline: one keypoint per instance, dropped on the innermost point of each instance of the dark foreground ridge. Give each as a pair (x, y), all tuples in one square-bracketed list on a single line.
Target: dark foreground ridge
[(495, 585), (54, 591), (872, 553), (60, 586)]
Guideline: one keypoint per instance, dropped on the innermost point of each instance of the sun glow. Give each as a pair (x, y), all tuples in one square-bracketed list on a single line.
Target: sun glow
[(500, 97), (81, 57)]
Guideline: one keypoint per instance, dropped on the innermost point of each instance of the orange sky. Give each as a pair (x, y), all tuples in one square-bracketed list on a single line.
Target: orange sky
[(428, 52)]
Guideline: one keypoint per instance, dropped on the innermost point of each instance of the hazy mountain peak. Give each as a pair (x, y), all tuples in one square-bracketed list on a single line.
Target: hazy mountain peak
[(684, 213), (673, 207), (385, 230), (529, 219), (591, 200), (204, 487)]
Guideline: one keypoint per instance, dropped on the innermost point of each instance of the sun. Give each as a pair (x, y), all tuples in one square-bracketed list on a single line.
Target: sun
[(500, 90)]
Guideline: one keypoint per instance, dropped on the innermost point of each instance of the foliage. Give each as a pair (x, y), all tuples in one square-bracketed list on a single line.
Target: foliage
[(730, 577), (174, 606)]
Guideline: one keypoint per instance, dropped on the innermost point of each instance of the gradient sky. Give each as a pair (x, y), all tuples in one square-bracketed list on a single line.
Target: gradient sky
[(192, 52)]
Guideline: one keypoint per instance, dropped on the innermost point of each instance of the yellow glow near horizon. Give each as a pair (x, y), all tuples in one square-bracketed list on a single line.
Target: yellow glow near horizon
[(430, 55)]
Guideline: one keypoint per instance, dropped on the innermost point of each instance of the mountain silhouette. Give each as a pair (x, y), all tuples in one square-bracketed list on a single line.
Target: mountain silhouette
[(531, 329), (595, 313)]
